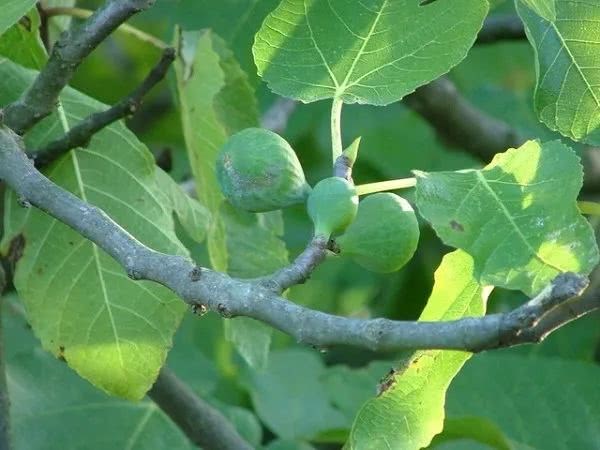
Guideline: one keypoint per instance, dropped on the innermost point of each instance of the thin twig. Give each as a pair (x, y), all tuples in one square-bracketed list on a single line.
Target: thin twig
[(501, 27), (81, 13), (300, 270), (204, 425), (69, 51), (80, 135), (278, 115), (231, 297)]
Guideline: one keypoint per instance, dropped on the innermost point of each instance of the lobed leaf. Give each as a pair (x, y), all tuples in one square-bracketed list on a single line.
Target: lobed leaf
[(373, 51), (567, 93), (113, 331), (409, 410), (517, 217)]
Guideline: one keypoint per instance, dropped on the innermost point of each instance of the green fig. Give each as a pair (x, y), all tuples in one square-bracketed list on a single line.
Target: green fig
[(332, 206), (384, 235), (259, 171)]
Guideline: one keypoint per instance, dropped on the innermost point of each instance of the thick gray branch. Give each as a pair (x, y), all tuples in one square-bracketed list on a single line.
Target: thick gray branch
[(80, 135), (69, 51), (204, 425), (231, 297)]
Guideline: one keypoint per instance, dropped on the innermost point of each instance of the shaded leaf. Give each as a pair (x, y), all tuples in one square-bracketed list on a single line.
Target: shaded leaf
[(54, 409), (567, 94), (409, 410), (517, 217), (217, 101), (543, 403), (194, 217), (113, 331), (367, 52), (21, 43), (280, 444), (12, 11), (289, 396)]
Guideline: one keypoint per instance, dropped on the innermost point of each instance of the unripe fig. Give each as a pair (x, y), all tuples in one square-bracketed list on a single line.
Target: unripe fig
[(259, 171), (384, 235), (332, 206)]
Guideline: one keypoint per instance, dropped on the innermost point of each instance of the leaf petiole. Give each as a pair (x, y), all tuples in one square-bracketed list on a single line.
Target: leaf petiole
[(390, 185), (336, 128)]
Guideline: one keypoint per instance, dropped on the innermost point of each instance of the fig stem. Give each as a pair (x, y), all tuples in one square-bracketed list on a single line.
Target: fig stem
[(589, 208), (390, 185), (336, 128)]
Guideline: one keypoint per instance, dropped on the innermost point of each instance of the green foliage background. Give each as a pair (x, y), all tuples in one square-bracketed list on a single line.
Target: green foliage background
[(293, 397)]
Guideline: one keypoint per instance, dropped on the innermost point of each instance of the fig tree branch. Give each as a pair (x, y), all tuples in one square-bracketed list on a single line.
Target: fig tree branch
[(125, 28), (69, 51), (231, 297), (204, 425), (301, 268), (277, 116), (501, 27), (80, 135), (459, 123), (462, 125)]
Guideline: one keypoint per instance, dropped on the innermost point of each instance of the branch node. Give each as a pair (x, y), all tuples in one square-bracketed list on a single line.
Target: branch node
[(199, 309), (133, 273), (23, 202), (195, 274), (224, 311)]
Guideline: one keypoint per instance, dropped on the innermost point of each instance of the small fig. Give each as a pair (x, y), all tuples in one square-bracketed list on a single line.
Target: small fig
[(259, 171), (384, 235), (332, 206)]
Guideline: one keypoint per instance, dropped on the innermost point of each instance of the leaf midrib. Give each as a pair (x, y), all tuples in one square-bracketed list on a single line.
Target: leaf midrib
[(107, 304), (344, 85)]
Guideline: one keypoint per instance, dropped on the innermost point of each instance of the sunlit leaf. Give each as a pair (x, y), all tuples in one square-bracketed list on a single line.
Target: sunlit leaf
[(409, 409), (543, 8), (374, 51), (567, 95), (517, 217)]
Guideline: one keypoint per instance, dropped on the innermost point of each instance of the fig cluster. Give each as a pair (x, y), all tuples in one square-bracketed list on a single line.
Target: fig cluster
[(259, 171)]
